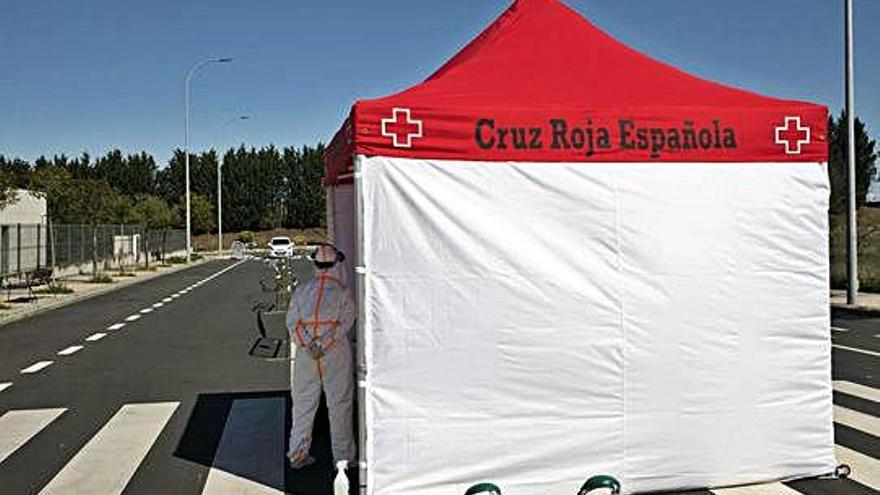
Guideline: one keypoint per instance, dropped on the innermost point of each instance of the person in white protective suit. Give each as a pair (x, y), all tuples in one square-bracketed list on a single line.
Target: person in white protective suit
[(319, 319)]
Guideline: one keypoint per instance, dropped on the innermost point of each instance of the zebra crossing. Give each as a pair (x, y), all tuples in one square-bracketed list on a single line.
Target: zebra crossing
[(17, 427), (110, 458), (249, 457)]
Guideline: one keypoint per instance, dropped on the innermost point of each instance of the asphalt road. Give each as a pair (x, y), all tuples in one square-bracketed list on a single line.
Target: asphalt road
[(169, 401), (175, 387)]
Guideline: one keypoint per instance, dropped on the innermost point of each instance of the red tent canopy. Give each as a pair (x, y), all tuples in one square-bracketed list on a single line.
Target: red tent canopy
[(542, 84)]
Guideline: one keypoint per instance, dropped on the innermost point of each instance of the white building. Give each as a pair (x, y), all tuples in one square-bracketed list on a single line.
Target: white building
[(23, 234), (873, 193)]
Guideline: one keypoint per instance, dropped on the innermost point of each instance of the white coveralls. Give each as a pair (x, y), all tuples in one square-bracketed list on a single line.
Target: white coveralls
[(319, 319)]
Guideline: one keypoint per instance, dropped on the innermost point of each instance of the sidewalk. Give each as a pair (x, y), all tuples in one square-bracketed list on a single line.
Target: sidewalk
[(866, 302), (82, 290)]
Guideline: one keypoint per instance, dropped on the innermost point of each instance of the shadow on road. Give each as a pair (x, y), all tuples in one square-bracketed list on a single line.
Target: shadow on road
[(243, 434), (853, 314)]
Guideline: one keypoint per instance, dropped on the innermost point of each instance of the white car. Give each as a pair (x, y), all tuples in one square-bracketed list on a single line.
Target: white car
[(280, 247)]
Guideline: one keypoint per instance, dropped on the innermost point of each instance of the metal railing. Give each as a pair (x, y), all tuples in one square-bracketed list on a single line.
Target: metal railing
[(26, 248)]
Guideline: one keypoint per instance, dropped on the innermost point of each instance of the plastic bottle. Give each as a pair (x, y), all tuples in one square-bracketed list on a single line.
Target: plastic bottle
[(340, 484)]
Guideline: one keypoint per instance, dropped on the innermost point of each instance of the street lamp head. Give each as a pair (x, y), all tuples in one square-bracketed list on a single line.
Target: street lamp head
[(223, 60)]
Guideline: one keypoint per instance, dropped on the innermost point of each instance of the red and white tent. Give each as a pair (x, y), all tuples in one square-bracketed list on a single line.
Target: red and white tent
[(575, 259)]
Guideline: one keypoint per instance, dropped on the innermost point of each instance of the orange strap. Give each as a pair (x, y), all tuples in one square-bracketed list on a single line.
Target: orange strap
[(316, 321), (331, 278)]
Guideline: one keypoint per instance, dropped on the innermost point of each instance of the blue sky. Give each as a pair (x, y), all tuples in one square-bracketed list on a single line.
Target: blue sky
[(103, 74)]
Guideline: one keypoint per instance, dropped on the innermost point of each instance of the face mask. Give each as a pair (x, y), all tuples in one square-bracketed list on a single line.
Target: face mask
[(325, 265)]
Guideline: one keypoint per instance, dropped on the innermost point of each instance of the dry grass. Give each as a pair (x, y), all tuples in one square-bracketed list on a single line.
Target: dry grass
[(208, 242), (869, 250)]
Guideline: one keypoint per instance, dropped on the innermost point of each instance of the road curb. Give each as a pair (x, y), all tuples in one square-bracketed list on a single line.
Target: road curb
[(60, 302)]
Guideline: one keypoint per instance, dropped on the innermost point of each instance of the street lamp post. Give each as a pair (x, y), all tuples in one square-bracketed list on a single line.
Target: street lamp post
[(219, 208), (852, 249), (186, 83), (220, 192)]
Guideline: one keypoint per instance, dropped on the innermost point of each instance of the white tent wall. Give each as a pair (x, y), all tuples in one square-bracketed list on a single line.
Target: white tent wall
[(532, 324), (341, 226)]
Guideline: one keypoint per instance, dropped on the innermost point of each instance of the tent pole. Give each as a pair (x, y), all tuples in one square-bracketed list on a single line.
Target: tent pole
[(852, 257), (329, 198), (360, 276)]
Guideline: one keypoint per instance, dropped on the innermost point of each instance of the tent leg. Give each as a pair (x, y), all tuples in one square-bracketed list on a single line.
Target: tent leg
[(360, 277)]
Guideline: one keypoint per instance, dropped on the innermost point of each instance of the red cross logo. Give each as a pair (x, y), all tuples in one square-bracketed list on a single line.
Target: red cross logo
[(401, 128), (792, 135)]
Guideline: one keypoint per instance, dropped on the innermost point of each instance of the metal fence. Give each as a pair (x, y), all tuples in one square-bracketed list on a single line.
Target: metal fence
[(25, 248)]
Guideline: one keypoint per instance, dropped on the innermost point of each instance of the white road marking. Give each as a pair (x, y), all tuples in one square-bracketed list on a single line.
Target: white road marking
[(251, 448), (854, 389), (839, 329), (146, 310), (860, 421), (5, 385), (856, 349), (17, 427), (111, 457), (115, 326), (221, 272), (765, 489), (39, 365), (199, 283), (865, 469), (133, 318), (70, 350), (96, 337), (158, 305)]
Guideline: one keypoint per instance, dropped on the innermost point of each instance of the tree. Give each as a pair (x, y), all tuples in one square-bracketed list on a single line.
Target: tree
[(270, 186), (8, 182), (19, 171), (239, 203), (170, 180), (140, 175), (152, 213), (80, 168), (203, 214), (97, 203), (254, 189), (305, 195), (132, 175), (866, 157), (203, 175), (56, 185), (263, 188)]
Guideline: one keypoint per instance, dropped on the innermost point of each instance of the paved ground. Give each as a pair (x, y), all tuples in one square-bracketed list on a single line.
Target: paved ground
[(154, 392), (867, 301)]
